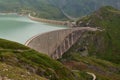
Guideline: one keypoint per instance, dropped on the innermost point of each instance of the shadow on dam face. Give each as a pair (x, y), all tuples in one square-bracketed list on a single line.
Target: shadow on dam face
[(56, 43)]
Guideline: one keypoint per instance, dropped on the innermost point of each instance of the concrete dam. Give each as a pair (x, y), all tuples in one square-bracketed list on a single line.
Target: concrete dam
[(56, 43)]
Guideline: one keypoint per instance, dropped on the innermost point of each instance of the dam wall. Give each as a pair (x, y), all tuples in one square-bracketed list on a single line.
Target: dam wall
[(56, 43)]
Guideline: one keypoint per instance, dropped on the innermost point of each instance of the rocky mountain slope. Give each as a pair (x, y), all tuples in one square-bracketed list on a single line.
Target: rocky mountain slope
[(106, 43), (77, 8), (98, 52)]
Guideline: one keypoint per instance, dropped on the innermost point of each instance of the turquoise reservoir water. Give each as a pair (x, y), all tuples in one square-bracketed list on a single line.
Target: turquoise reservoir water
[(21, 28)]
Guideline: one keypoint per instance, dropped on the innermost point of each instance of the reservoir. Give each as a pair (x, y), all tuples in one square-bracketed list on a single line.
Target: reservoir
[(20, 28)]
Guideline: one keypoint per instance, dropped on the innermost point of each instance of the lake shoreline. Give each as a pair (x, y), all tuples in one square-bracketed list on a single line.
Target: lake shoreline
[(64, 23)]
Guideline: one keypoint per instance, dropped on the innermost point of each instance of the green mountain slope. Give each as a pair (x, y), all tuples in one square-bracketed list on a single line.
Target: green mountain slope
[(19, 62), (105, 44), (77, 8), (40, 8), (53, 9), (98, 52)]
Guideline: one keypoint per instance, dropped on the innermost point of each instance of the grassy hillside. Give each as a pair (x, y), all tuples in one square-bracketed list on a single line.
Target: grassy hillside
[(98, 52), (18, 62), (22, 63), (10, 72)]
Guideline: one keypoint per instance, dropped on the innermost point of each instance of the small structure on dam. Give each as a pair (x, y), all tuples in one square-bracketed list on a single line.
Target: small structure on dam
[(56, 43)]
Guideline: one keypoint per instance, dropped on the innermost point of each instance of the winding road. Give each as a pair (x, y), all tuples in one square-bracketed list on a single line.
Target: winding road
[(92, 74)]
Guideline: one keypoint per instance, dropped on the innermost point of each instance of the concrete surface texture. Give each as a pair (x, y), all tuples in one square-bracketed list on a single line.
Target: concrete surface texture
[(56, 43)]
